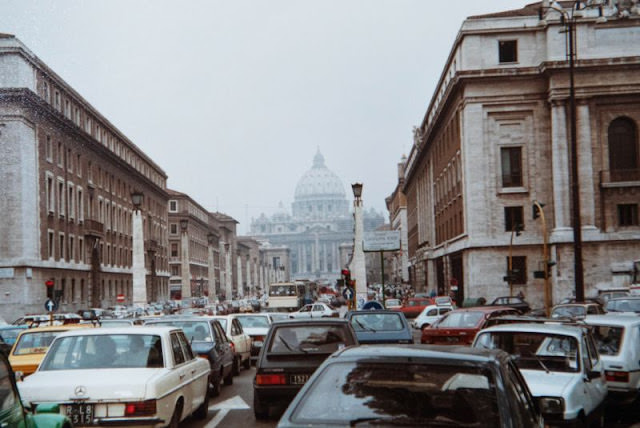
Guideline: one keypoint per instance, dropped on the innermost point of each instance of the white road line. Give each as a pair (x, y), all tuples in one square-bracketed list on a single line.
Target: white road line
[(235, 403)]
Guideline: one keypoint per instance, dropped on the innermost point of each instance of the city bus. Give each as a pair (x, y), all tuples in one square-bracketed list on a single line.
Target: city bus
[(286, 296)]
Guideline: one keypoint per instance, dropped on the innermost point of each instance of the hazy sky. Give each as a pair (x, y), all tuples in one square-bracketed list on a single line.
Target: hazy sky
[(233, 98)]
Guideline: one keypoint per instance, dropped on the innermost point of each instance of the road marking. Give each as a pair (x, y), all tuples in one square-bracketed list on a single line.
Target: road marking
[(235, 403)]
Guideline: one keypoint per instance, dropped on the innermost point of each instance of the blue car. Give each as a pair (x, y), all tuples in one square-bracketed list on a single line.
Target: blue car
[(380, 326)]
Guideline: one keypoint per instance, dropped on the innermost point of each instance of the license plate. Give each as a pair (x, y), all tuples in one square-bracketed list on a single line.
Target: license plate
[(80, 414), (299, 379)]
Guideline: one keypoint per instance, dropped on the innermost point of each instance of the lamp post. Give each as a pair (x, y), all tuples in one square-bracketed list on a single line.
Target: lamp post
[(357, 266), (538, 211), (184, 258), (227, 272), (211, 240), (516, 228), (137, 263)]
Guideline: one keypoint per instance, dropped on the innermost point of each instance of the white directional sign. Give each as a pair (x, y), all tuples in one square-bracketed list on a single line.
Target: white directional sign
[(235, 403), (382, 240)]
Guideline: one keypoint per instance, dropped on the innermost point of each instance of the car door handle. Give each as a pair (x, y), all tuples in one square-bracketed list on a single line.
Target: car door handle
[(182, 376), (193, 371)]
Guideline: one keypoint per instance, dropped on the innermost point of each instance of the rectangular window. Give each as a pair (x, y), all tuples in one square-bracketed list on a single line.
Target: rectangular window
[(61, 193), (50, 244), (80, 206), (173, 206), (72, 253), (60, 154), (518, 269), (80, 250), (511, 162), (61, 246), (49, 149), (78, 165), (174, 228), (51, 201), (72, 200), (174, 250), (508, 51), (513, 218), (628, 215)]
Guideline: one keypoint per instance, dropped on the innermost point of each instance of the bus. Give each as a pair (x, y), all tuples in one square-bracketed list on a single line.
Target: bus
[(286, 296)]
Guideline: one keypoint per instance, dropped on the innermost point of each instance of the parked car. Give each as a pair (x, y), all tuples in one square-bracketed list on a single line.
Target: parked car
[(208, 340), (314, 310), (624, 304), (240, 341), (122, 376), (256, 325), (32, 344), (561, 366), (414, 385), (9, 333), (393, 304), (576, 310), (14, 414), (513, 302), (414, 306), (616, 337), (380, 326), (429, 315), (121, 322), (459, 327), (292, 351), (605, 295)]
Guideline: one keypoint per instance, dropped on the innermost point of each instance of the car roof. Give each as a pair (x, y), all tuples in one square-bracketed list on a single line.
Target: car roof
[(142, 330), (451, 354), (372, 311), (611, 319), (177, 318), (629, 297), (310, 321), (561, 329), (482, 309)]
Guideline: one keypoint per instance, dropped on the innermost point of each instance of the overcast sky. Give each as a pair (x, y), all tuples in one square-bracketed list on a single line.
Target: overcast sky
[(232, 99)]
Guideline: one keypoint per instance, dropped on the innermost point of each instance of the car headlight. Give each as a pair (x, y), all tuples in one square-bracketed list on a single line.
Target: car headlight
[(551, 404)]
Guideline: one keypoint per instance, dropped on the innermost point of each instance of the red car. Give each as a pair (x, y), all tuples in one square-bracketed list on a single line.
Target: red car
[(414, 306), (459, 327)]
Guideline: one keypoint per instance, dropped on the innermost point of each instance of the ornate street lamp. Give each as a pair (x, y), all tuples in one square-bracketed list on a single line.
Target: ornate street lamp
[(357, 190), (184, 223), (137, 198)]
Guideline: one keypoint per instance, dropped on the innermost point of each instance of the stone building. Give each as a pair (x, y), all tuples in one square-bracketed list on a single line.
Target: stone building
[(397, 207), (320, 221), (496, 137), (66, 179)]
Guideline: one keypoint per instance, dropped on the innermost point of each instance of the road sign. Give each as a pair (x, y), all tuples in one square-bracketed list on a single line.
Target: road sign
[(50, 305), (381, 240), (348, 293), (120, 298)]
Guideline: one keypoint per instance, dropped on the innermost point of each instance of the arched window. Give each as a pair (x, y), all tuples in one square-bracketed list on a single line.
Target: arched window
[(623, 149)]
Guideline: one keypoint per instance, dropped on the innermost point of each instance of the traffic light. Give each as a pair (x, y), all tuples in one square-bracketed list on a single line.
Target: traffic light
[(49, 283), (347, 276), (537, 206)]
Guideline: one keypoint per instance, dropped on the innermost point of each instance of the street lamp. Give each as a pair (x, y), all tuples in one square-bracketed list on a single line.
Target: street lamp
[(516, 228), (184, 223), (357, 190), (357, 265), (137, 198)]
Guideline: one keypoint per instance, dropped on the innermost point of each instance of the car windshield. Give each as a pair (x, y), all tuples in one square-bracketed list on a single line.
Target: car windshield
[(568, 312), (104, 351), (415, 395), (534, 351), (254, 322), (392, 302), (197, 331), (34, 342), (307, 339), (376, 322), (623, 305), (464, 319), (282, 290), (608, 338)]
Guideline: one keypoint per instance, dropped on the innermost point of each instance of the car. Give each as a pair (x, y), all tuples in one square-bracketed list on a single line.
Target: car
[(393, 304), (42, 320), (576, 310), (616, 337), (459, 327), (122, 376), (14, 414), (380, 326), (609, 293), (9, 333), (120, 322), (513, 302), (32, 344), (314, 310), (292, 351), (414, 385), (429, 315), (256, 325), (208, 340), (561, 366), (414, 306), (240, 341), (623, 304)]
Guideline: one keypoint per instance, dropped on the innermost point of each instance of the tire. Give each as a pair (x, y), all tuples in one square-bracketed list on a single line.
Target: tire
[(229, 379), (247, 363), (260, 411), (424, 325), (236, 366), (175, 418), (216, 386), (203, 410)]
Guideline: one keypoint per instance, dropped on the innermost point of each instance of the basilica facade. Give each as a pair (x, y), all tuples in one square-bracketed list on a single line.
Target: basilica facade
[(319, 229)]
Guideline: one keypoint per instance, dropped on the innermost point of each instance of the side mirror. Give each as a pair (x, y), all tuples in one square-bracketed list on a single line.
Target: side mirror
[(19, 376), (593, 374)]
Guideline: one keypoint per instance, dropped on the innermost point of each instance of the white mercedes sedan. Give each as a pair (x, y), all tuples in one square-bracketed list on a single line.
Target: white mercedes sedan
[(122, 377)]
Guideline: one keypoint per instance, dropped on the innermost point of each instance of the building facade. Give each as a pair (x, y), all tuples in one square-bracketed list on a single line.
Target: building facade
[(397, 207), (496, 138), (66, 176)]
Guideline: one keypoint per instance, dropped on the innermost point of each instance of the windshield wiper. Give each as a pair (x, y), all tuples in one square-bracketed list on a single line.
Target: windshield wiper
[(363, 326), (542, 364), (291, 348)]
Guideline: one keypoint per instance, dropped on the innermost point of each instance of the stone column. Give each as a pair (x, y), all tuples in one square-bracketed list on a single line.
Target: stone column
[(560, 166), (357, 267), (186, 268), (227, 273), (137, 262), (585, 165), (239, 277), (211, 273), (248, 270)]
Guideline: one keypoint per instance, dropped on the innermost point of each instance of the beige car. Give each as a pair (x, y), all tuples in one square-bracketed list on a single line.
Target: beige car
[(240, 341)]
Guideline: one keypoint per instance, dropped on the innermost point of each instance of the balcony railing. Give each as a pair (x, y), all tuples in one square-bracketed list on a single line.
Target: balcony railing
[(93, 228), (620, 178)]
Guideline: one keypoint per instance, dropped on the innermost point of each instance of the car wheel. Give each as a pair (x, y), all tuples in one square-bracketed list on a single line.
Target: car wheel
[(424, 326), (215, 383), (236, 366), (175, 418), (260, 411), (229, 379), (203, 410), (247, 363)]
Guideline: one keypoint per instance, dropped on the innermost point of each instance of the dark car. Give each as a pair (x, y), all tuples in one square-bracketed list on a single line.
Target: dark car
[(5, 348), (208, 340), (292, 351), (415, 385), (512, 302), (380, 326)]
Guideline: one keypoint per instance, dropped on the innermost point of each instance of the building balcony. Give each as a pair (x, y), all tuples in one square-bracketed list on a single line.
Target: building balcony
[(93, 228), (620, 178)]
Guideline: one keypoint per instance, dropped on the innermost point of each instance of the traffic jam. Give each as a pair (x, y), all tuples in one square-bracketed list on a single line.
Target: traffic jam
[(406, 359)]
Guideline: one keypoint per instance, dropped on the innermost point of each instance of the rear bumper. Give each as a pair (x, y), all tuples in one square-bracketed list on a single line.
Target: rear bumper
[(275, 395)]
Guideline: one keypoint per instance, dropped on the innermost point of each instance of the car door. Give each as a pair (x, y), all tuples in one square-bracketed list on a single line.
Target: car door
[(244, 341), (223, 347), (596, 389), (197, 383), (304, 312), (11, 411), (182, 371), (317, 311)]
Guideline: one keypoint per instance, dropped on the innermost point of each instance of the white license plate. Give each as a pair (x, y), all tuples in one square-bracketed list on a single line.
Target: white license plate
[(80, 414), (299, 379)]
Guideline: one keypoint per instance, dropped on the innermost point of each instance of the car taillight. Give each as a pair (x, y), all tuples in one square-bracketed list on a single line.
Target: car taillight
[(612, 376), (140, 408), (271, 379), (258, 338), (205, 356)]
